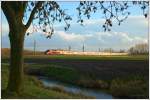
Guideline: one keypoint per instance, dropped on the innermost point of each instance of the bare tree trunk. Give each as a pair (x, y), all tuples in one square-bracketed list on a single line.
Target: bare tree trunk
[(14, 12), (16, 37)]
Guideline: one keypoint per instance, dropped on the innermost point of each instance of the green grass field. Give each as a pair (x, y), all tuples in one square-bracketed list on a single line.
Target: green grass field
[(122, 76), (87, 57)]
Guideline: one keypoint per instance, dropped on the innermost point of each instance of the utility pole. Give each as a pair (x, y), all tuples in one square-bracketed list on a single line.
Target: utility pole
[(69, 48), (34, 46), (99, 49), (83, 48)]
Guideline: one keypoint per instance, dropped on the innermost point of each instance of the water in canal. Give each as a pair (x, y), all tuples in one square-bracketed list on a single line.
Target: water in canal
[(75, 89)]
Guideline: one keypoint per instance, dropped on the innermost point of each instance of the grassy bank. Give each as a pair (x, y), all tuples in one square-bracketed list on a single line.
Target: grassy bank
[(135, 87), (34, 89), (65, 74), (54, 71), (131, 86)]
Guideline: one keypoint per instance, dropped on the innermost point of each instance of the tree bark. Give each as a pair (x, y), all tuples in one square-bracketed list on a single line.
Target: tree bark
[(16, 37), (14, 12)]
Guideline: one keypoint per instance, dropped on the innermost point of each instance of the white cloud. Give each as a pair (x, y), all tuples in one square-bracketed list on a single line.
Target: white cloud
[(105, 38), (93, 21), (121, 36), (141, 19), (73, 36)]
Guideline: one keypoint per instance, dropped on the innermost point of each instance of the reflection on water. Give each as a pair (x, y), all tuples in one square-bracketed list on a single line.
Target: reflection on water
[(75, 89)]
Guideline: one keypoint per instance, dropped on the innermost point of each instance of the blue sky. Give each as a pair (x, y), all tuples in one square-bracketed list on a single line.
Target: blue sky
[(132, 31)]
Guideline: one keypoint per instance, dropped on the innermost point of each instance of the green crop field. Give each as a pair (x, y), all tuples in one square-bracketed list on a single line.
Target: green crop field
[(90, 57)]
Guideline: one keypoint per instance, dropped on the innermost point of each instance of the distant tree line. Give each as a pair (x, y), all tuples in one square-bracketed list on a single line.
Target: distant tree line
[(111, 50), (139, 49)]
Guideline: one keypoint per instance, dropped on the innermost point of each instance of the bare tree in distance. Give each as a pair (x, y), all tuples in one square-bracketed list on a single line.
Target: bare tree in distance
[(42, 15), (122, 51), (110, 50), (139, 49)]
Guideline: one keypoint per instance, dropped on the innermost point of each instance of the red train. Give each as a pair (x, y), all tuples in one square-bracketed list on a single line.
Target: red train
[(52, 52)]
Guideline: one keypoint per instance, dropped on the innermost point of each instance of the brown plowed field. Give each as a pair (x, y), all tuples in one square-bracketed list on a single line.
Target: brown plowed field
[(103, 69)]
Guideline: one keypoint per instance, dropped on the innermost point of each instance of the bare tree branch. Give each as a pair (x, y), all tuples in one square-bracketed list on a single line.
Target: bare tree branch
[(39, 4), (112, 10)]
